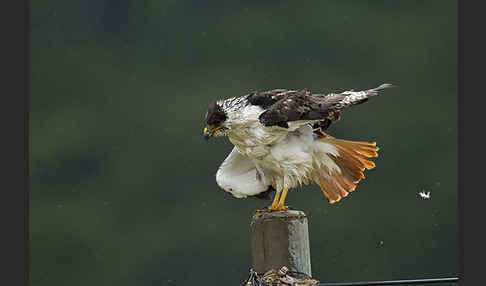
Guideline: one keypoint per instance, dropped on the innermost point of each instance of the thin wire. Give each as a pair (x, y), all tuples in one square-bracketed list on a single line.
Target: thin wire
[(393, 282)]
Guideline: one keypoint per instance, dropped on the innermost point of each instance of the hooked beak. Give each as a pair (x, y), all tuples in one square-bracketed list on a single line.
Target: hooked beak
[(207, 133)]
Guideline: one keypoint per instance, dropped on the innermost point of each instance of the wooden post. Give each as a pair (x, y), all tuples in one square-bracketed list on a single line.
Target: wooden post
[(280, 239)]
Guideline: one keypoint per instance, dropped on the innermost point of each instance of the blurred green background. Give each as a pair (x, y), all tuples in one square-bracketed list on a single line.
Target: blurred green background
[(123, 184)]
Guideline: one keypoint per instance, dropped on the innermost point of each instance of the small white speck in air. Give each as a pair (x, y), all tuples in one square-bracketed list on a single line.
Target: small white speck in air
[(424, 195)]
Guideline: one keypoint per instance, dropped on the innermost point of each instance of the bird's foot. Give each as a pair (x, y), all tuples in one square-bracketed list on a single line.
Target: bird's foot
[(278, 208), (278, 203), (272, 208)]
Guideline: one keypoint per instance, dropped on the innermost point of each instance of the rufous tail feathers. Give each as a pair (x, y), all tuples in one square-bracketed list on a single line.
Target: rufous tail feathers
[(352, 160)]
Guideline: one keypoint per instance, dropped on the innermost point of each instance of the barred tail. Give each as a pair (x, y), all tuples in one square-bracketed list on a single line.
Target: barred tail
[(350, 161), (358, 97), (374, 91)]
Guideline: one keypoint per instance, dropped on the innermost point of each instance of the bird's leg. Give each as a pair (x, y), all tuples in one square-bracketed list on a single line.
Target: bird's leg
[(274, 203), (275, 200), (279, 204)]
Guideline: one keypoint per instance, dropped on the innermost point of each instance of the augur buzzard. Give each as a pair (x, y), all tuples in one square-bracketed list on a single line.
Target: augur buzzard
[(280, 143)]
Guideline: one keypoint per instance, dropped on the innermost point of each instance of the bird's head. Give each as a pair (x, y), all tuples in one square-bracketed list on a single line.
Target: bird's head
[(214, 123)]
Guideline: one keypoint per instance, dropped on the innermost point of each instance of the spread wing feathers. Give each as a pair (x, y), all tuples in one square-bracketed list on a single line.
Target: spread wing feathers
[(351, 160), (267, 98), (283, 106)]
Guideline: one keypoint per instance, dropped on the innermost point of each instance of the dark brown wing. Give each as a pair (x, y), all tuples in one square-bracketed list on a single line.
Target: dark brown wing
[(267, 98), (283, 106), (301, 105)]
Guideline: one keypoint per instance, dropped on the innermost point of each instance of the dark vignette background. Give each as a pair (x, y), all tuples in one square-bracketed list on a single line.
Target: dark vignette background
[(123, 189)]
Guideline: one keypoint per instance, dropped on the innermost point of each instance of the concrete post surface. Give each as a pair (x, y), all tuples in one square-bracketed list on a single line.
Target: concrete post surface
[(280, 239)]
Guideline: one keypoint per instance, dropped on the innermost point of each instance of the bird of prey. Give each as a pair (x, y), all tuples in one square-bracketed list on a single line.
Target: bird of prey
[(280, 143)]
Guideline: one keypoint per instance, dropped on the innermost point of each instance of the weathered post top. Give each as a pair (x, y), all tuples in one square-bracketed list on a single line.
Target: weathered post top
[(280, 239)]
